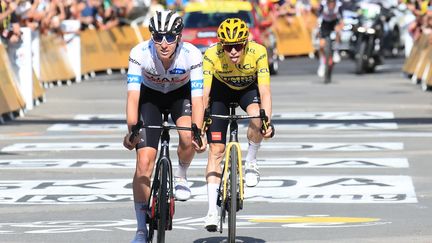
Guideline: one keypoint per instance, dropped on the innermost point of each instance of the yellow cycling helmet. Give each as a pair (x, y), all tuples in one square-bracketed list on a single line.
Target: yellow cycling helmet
[(232, 30)]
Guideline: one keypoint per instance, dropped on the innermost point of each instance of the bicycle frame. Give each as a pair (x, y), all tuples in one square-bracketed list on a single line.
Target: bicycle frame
[(232, 174), (233, 141), (161, 192)]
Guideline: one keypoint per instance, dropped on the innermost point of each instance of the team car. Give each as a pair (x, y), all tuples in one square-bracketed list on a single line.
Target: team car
[(203, 18)]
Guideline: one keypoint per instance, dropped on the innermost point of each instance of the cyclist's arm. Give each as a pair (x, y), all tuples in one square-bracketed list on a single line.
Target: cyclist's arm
[(134, 80), (196, 77), (208, 77), (263, 76), (266, 99), (132, 108)]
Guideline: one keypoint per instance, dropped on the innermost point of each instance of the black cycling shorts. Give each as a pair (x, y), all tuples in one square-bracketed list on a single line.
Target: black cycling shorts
[(327, 27), (152, 105), (220, 97)]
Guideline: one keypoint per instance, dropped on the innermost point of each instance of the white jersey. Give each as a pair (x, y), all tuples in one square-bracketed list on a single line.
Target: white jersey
[(146, 68), (330, 15)]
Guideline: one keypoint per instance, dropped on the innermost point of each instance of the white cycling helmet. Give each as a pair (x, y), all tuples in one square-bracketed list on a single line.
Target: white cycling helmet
[(166, 22)]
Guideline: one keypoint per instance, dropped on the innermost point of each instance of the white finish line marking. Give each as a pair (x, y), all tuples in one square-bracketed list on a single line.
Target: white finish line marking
[(272, 146), (350, 115), (68, 127), (201, 163), (295, 189), (339, 115)]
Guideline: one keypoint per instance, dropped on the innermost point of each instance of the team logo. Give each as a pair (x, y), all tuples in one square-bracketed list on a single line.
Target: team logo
[(177, 71)]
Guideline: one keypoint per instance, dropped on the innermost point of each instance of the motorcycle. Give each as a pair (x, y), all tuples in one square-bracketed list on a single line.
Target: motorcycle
[(366, 41)]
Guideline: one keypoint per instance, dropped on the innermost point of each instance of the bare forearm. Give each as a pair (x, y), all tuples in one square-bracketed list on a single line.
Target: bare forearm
[(266, 99), (197, 111), (132, 109)]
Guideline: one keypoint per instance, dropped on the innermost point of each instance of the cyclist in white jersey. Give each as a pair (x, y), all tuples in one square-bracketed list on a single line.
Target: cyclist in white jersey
[(331, 19), (164, 73)]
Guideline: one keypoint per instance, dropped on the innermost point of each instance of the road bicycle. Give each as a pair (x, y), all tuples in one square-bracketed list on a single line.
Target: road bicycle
[(231, 189), (161, 201)]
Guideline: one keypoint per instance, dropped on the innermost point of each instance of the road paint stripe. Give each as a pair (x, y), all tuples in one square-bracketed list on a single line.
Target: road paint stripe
[(313, 220), (202, 163), (328, 134), (338, 115), (271, 146), (188, 223), (278, 189), (112, 127)]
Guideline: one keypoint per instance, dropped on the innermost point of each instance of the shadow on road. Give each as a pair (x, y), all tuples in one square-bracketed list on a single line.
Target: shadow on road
[(239, 239)]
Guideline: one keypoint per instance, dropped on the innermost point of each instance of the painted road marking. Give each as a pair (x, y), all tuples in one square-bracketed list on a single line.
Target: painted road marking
[(340, 115), (271, 146), (350, 115), (89, 117), (188, 223), (69, 127), (295, 189), (201, 163), (104, 136)]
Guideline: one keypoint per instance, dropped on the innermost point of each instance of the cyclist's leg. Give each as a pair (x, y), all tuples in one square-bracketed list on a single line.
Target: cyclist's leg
[(181, 115), (216, 137), (249, 101), (322, 42), (146, 155)]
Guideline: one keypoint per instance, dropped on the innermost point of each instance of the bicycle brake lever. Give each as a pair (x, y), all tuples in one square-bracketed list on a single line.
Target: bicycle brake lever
[(197, 134), (135, 130)]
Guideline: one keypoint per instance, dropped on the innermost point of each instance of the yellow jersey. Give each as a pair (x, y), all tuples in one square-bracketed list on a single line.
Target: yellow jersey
[(253, 66)]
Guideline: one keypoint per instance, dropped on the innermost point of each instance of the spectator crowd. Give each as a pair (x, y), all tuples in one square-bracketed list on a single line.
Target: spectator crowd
[(46, 16)]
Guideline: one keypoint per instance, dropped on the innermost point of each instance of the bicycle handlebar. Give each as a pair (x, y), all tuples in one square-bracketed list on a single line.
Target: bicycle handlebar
[(262, 116), (139, 125)]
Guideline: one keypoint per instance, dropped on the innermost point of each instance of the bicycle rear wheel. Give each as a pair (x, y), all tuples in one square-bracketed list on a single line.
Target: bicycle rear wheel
[(233, 194), (162, 201)]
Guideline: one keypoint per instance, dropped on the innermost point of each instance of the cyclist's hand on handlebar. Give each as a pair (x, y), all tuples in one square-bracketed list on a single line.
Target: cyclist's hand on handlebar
[(128, 144), (203, 147), (269, 132), (198, 141), (267, 129)]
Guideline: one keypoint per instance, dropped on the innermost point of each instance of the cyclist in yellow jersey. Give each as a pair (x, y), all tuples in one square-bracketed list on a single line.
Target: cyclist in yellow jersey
[(235, 70)]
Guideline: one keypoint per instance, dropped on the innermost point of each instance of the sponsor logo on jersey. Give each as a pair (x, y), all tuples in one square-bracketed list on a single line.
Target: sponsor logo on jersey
[(162, 80), (131, 60), (197, 84), (240, 81), (131, 78), (216, 136), (263, 70), (261, 57), (206, 58), (246, 66), (177, 71), (196, 66)]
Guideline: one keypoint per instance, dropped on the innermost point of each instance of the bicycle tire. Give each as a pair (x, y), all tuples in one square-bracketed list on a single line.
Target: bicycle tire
[(232, 208), (328, 52), (360, 60), (162, 201), (152, 219)]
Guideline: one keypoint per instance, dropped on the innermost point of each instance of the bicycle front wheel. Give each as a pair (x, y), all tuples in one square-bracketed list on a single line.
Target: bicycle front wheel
[(162, 198), (232, 208)]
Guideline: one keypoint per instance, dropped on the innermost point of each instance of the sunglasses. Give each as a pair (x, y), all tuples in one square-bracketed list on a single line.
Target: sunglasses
[(238, 47), (159, 38)]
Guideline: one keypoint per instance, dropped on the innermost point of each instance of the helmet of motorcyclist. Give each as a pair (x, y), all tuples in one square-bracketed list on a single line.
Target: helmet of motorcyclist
[(233, 31)]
